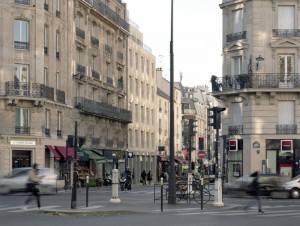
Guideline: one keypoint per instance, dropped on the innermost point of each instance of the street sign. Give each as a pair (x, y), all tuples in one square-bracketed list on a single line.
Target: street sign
[(201, 154)]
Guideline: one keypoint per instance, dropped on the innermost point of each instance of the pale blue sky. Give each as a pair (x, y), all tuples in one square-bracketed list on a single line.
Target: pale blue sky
[(197, 36)]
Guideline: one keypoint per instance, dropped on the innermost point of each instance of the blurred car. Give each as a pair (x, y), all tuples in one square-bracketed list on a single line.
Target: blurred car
[(16, 180), (269, 185), (293, 187)]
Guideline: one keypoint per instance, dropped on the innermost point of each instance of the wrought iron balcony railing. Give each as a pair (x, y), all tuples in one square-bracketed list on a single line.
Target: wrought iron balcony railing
[(46, 6), (95, 74), (94, 41), (80, 68), (236, 36), (120, 56), (109, 80), (47, 131), (102, 109), (109, 143), (24, 2), (108, 48), (22, 45), (22, 130), (286, 129), (286, 32), (80, 33), (59, 133), (46, 50), (96, 141), (255, 81), (34, 90), (235, 130), (60, 96), (57, 14)]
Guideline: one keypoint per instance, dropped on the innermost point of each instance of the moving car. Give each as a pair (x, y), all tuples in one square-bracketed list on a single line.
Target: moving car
[(270, 184), (293, 186), (16, 180)]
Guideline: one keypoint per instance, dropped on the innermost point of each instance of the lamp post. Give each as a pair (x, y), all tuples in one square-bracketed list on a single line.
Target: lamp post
[(172, 192), (75, 173)]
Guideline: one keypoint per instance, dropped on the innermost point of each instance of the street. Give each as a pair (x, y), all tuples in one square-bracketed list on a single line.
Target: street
[(141, 210)]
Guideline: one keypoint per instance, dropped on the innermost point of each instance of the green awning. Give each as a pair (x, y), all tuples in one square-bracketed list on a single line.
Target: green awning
[(83, 156), (93, 155)]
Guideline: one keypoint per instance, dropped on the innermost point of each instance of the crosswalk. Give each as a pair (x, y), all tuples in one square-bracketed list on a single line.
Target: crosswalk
[(17, 209), (269, 212)]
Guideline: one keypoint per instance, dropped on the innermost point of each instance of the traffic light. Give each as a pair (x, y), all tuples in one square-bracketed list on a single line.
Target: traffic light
[(81, 141), (215, 116), (70, 141), (201, 143)]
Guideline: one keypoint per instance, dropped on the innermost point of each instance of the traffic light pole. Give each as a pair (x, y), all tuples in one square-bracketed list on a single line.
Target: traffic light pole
[(75, 173)]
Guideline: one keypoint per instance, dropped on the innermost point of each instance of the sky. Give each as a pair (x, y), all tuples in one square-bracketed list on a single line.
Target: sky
[(197, 36)]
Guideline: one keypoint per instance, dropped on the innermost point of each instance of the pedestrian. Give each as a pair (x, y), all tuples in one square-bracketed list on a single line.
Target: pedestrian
[(167, 176), (149, 177), (143, 177), (33, 180), (255, 190)]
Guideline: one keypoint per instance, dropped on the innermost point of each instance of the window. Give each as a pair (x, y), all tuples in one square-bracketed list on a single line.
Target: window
[(237, 109), (46, 77), (47, 123), (21, 74), (24, 2), (136, 61), (130, 58), (236, 65), (238, 21), (57, 45), (286, 17), (21, 34), (58, 81), (46, 38), (286, 112), (58, 8), (59, 117), (286, 68), (22, 121), (46, 5)]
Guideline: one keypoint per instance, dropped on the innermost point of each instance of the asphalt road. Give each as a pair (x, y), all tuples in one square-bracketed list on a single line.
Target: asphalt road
[(277, 211)]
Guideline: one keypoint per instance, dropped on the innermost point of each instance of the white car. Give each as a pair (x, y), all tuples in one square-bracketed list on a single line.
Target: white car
[(16, 180), (293, 186)]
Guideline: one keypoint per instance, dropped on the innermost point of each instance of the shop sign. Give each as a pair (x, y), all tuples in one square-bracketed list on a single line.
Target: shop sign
[(22, 142), (233, 145), (286, 145)]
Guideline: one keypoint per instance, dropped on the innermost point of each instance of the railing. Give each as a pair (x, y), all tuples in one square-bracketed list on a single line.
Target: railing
[(57, 55), (96, 141), (94, 41), (255, 81), (80, 33), (47, 131), (120, 144), (236, 36), (46, 50), (108, 48), (103, 110), (109, 81), (35, 90), (81, 69), (57, 14), (286, 32), (22, 130), (286, 129), (120, 56), (46, 6), (95, 75), (59, 133), (109, 143), (235, 130), (24, 2), (21, 45), (60, 96)]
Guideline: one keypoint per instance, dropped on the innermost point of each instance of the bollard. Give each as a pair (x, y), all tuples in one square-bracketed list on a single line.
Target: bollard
[(201, 192), (161, 194), (87, 191), (115, 187)]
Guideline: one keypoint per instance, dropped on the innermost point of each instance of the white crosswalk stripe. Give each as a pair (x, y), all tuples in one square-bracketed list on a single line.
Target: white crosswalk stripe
[(17, 209)]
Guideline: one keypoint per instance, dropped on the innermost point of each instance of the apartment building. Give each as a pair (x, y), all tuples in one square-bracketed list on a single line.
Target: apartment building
[(63, 62), (142, 103), (260, 86)]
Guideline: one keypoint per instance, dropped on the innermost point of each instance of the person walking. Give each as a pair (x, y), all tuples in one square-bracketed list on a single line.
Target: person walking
[(149, 177), (33, 180), (143, 177), (255, 190)]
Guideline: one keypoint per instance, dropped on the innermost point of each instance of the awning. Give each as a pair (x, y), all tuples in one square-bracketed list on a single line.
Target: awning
[(63, 152), (93, 155), (53, 151)]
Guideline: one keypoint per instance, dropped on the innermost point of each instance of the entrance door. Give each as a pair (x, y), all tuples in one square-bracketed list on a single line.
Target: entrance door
[(21, 159)]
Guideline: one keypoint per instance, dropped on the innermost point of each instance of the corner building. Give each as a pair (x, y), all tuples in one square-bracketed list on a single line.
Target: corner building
[(260, 86), (63, 61)]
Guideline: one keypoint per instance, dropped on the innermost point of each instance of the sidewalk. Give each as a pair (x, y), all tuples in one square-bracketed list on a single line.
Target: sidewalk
[(128, 205)]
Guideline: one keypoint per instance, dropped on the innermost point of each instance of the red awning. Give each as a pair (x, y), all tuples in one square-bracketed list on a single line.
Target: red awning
[(53, 151), (63, 151)]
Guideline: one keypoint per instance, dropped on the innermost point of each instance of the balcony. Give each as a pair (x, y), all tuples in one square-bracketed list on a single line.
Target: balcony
[(286, 32), (120, 56), (110, 81), (34, 90), (235, 130), (94, 41), (255, 81), (286, 129), (108, 49), (80, 33), (80, 69), (102, 109), (57, 14), (236, 36), (59, 133), (95, 75), (60, 96), (22, 130), (21, 45), (24, 2), (109, 143), (46, 7), (47, 132), (96, 141)]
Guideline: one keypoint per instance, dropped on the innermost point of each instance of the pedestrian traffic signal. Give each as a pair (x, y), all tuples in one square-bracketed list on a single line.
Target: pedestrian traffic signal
[(214, 117)]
